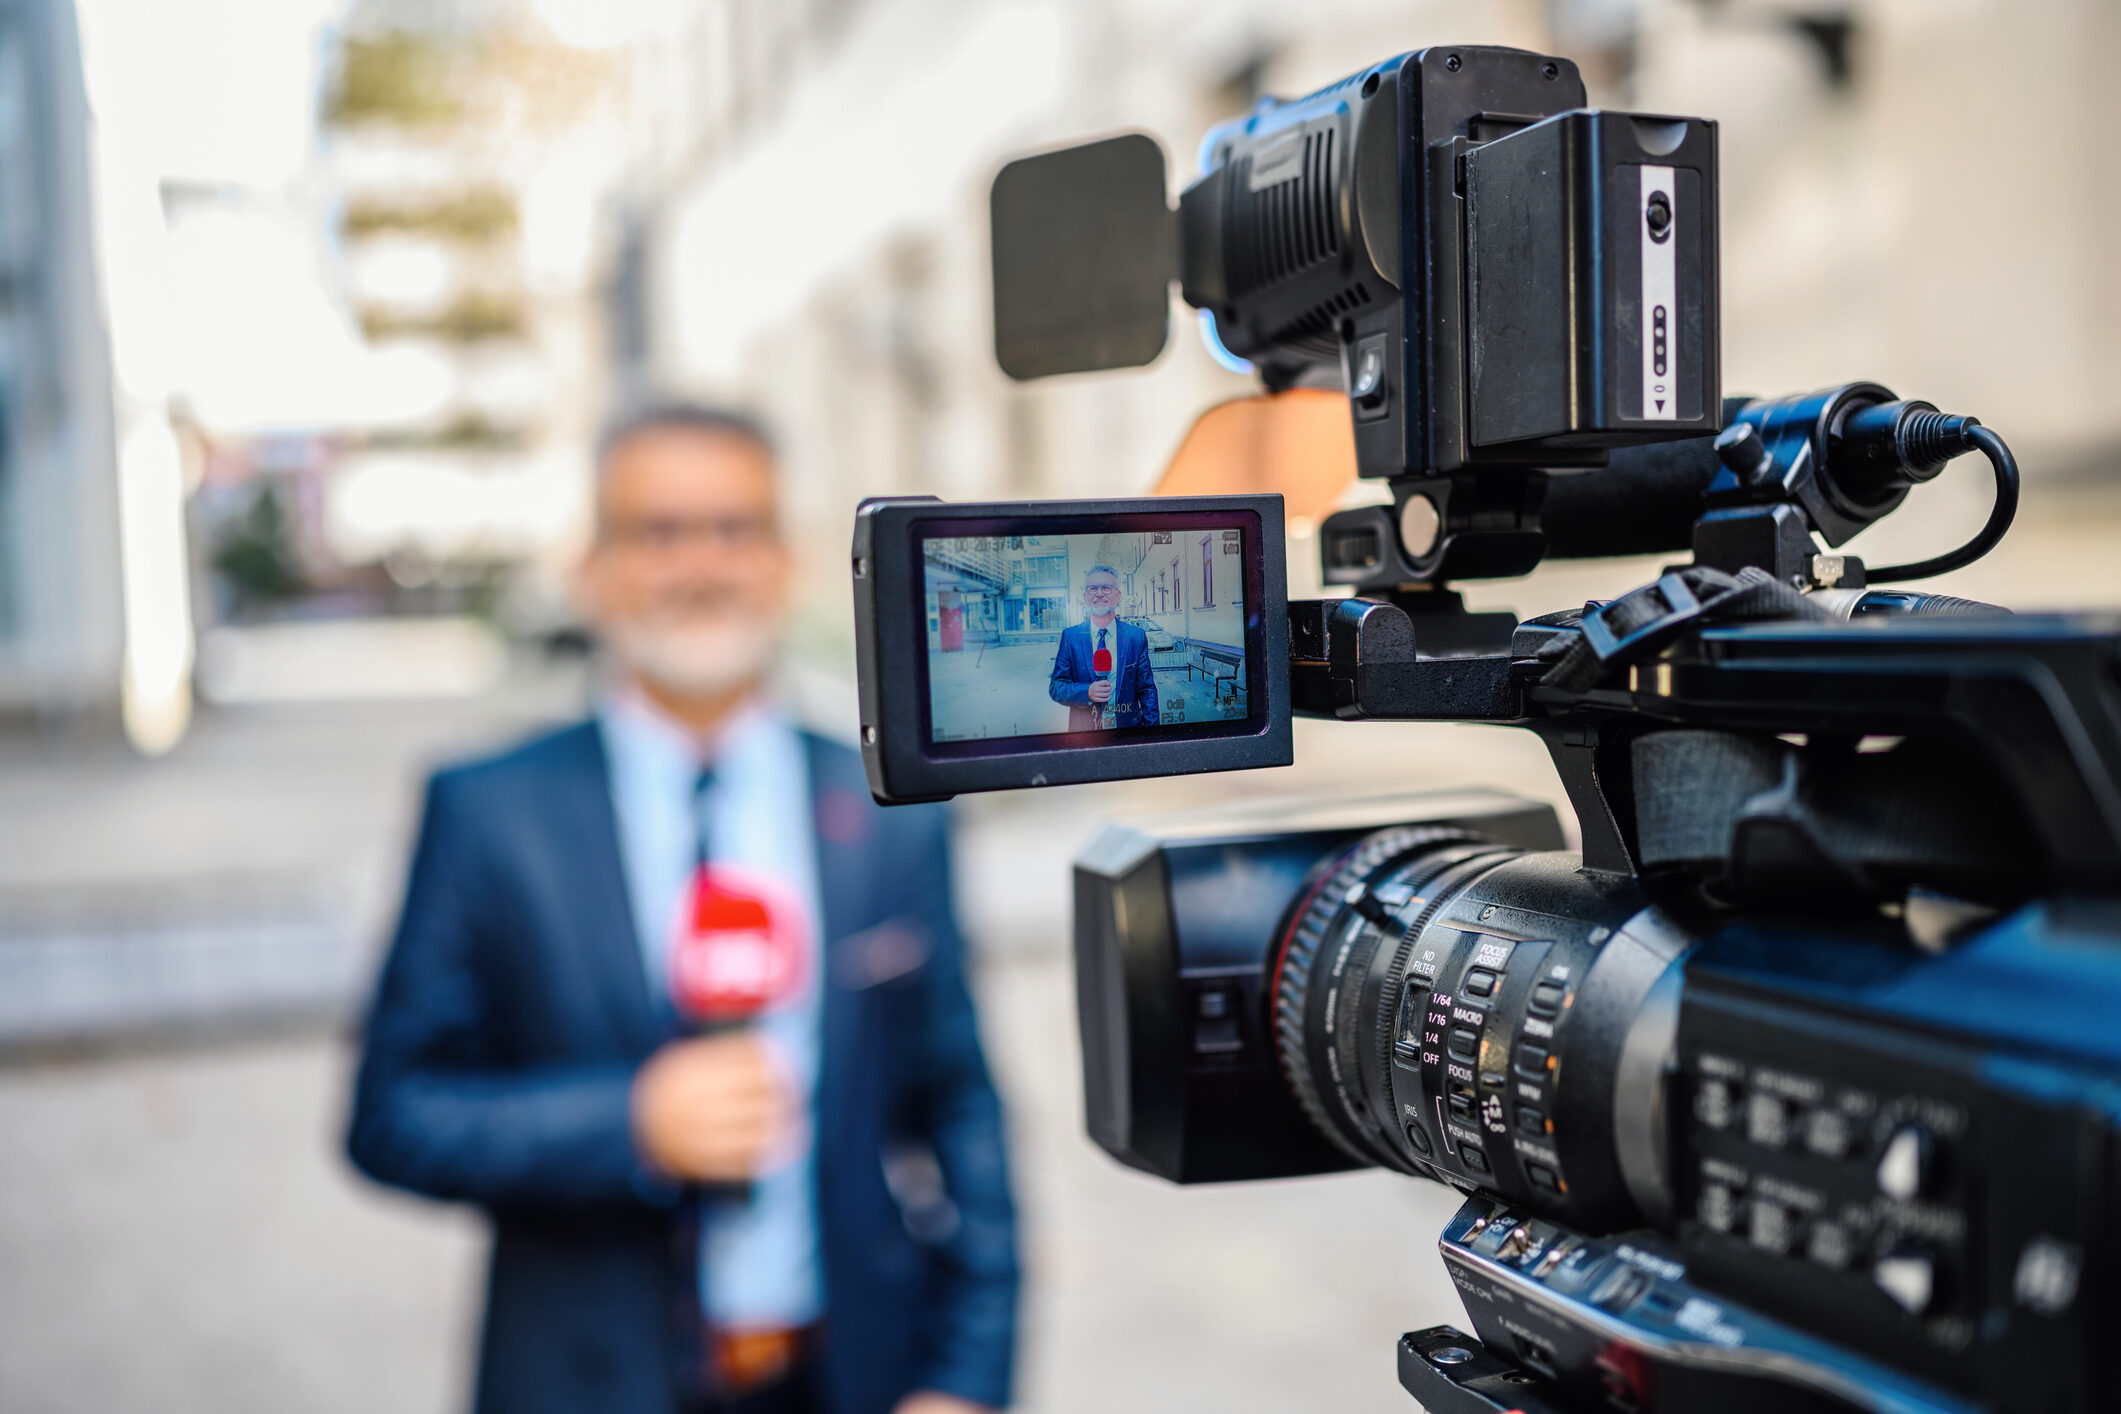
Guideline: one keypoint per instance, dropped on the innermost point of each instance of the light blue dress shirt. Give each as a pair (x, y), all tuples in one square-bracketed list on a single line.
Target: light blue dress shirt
[(759, 1260)]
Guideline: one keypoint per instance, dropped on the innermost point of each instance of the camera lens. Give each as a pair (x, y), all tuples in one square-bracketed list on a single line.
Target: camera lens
[(1449, 1006), (1326, 958)]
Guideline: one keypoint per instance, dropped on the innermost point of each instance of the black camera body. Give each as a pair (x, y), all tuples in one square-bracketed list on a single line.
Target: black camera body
[(1501, 277), (1504, 281), (1798, 1085), (1880, 1145)]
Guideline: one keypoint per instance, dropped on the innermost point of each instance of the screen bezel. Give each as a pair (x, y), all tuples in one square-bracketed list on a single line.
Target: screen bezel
[(891, 651), (1245, 522)]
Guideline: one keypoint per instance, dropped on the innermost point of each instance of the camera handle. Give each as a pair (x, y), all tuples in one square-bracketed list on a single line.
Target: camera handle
[(1746, 502), (1357, 658), (1783, 471)]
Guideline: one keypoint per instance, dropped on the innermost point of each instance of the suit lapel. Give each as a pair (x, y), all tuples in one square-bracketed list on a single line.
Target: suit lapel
[(592, 881), (840, 860)]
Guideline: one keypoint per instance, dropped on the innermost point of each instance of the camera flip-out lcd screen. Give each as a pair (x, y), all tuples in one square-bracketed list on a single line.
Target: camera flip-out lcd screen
[(1041, 643), (1040, 635)]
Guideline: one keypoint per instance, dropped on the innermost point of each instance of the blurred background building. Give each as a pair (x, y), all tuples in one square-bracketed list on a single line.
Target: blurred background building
[(61, 630), (308, 311)]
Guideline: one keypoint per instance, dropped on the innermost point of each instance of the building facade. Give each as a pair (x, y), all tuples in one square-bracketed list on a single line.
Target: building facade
[(818, 247), (62, 626)]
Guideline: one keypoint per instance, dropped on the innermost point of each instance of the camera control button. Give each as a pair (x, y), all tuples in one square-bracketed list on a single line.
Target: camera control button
[(1419, 1138), (1658, 215), (1718, 1207), (1369, 372), (1532, 1060), (1464, 1042), (1543, 1177), (1474, 1160), (1532, 1120), (1368, 386), (1715, 1104), (1488, 1240), (1480, 983), (1521, 1247), (1215, 1023), (1621, 1289), (1546, 999), (1826, 1133), (1767, 1121), (1908, 1274), (1907, 1165), (1411, 1002), (1830, 1246), (1770, 1227)]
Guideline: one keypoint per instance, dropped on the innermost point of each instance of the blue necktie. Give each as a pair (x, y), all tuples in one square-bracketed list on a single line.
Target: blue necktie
[(702, 784), (693, 1345)]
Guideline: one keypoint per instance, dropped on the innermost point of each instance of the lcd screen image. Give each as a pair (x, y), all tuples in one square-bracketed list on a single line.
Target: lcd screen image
[(1039, 635)]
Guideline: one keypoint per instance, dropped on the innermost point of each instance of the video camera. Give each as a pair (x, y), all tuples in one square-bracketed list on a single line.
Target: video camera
[(1799, 1086)]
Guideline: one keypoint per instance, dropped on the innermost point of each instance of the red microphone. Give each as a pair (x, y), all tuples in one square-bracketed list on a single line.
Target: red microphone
[(739, 949), (1101, 664)]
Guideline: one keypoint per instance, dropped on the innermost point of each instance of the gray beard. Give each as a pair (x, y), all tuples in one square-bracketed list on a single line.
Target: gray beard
[(696, 659)]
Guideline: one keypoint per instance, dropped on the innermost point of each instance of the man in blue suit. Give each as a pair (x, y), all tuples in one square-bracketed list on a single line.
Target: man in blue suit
[(1124, 697), (805, 1214)]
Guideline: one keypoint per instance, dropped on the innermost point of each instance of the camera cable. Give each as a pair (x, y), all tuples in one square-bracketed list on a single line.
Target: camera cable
[(1932, 439)]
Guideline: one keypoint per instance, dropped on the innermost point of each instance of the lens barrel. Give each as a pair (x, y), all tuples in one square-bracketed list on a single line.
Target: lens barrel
[(1447, 1006)]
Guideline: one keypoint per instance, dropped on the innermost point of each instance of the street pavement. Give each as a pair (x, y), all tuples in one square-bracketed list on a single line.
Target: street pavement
[(1002, 690), (179, 1233), (993, 690)]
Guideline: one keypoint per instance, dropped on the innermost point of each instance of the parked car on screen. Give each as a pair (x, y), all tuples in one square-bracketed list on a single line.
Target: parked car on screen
[(1161, 640)]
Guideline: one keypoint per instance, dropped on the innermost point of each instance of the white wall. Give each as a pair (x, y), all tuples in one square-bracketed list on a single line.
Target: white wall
[(61, 618)]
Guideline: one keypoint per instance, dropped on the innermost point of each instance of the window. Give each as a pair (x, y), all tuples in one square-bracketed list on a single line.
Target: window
[(1046, 571), (1207, 572)]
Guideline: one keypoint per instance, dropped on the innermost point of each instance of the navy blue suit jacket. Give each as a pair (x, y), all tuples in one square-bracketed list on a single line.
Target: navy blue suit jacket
[(1133, 682), (506, 1029)]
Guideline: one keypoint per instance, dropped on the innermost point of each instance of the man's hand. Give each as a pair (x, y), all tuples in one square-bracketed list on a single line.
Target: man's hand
[(1101, 690), (927, 1401), (709, 1110)]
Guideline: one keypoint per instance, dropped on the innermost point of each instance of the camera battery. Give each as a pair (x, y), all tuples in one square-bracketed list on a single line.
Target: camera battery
[(1591, 281)]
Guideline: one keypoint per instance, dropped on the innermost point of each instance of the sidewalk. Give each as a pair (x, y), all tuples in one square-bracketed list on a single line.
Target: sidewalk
[(180, 1233), (246, 876)]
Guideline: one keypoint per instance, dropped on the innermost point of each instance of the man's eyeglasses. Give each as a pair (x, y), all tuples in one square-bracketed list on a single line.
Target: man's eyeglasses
[(675, 532), (1102, 591)]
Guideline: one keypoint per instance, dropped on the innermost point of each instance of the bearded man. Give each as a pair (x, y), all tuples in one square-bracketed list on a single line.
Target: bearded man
[(799, 1208)]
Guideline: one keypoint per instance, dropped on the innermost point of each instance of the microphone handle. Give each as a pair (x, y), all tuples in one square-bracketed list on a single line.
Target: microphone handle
[(735, 1192)]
